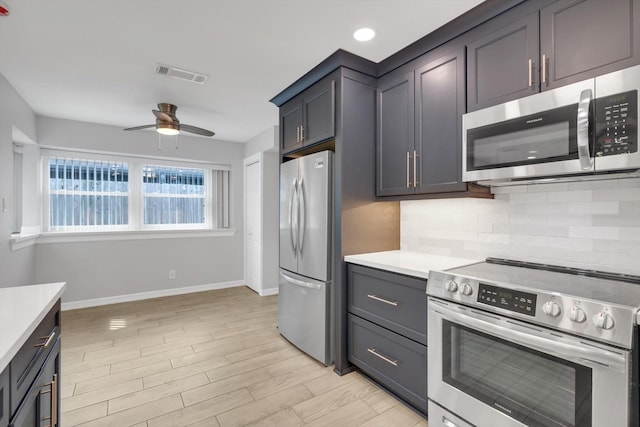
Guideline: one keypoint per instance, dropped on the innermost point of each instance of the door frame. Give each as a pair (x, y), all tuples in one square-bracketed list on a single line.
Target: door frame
[(248, 161)]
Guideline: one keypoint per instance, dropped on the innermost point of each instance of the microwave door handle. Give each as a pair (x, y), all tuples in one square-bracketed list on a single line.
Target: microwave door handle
[(582, 134)]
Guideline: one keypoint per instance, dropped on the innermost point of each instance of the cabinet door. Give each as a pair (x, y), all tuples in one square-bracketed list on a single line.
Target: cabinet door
[(319, 122), (290, 125), (394, 135), (500, 63), (440, 103), (4, 398), (586, 38)]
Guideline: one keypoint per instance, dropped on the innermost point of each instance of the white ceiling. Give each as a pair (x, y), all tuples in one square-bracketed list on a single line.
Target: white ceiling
[(94, 61)]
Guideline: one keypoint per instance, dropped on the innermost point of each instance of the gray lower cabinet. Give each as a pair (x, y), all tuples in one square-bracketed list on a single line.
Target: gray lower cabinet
[(563, 42), (387, 336), (4, 398), (30, 385)]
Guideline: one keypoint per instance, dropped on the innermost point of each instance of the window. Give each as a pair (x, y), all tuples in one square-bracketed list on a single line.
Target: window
[(17, 187), (88, 192)]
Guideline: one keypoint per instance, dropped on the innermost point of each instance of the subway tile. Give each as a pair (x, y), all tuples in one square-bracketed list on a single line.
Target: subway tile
[(594, 208), (594, 232), (528, 198), (618, 194), (570, 196)]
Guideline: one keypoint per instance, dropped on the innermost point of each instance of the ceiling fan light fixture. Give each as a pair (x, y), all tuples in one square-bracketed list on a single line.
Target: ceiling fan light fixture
[(167, 129)]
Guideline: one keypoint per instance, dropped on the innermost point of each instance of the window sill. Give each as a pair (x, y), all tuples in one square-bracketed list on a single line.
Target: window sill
[(99, 236), (21, 241)]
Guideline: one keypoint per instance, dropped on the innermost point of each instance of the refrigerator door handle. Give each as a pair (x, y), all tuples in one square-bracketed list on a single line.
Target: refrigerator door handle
[(300, 282), (302, 215), (293, 223)]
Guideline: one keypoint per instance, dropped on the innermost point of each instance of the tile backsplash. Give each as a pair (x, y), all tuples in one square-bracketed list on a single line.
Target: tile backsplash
[(593, 225)]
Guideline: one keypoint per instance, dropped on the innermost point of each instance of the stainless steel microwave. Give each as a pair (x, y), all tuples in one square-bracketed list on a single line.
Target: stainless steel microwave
[(583, 129)]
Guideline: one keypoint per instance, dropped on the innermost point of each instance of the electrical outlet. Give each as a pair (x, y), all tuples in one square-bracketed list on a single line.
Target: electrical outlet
[(172, 274)]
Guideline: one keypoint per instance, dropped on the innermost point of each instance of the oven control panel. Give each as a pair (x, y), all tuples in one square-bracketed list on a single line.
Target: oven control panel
[(508, 299), (617, 124)]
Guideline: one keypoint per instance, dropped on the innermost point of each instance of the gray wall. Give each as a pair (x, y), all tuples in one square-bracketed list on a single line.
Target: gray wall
[(112, 268), (16, 267)]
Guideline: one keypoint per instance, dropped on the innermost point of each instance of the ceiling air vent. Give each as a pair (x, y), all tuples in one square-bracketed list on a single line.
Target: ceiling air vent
[(178, 73)]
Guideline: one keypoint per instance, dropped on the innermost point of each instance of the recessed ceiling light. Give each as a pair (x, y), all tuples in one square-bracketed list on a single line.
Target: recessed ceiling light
[(364, 34)]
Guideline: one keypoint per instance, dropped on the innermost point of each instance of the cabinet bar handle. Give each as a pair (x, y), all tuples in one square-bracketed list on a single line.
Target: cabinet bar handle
[(54, 400), (544, 68), (386, 359), (301, 133), (298, 134), (47, 342), (408, 156), (415, 170), (377, 298), (530, 73)]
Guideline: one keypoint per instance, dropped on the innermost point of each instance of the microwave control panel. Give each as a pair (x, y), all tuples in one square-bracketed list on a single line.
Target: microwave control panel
[(617, 124)]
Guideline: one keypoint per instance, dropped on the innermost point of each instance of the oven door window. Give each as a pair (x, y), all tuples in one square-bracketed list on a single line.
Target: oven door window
[(549, 136), (534, 388)]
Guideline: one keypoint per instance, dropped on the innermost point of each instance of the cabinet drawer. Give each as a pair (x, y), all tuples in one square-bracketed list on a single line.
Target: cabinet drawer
[(394, 301), (398, 363), (27, 362)]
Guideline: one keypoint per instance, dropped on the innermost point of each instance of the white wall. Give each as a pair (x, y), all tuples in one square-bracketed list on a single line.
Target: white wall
[(16, 118), (593, 225), (107, 269)]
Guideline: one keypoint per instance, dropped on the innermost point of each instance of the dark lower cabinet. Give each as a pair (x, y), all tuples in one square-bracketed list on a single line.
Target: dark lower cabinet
[(4, 398), (40, 406), (30, 385), (387, 335)]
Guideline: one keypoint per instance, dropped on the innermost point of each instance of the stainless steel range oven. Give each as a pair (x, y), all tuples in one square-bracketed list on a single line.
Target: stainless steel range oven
[(520, 344)]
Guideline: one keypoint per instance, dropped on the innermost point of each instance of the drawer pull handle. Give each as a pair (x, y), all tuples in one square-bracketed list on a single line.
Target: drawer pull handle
[(54, 401), (448, 423), (377, 298), (386, 359), (47, 342)]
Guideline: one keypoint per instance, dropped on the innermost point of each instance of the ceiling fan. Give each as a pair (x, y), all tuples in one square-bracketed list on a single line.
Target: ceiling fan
[(168, 124)]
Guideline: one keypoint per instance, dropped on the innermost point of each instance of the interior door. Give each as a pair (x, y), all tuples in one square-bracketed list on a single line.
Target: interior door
[(252, 226)]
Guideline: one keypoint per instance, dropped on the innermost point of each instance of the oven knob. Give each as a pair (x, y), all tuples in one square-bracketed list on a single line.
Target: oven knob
[(577, 314), (466, 289), (603, 320), (451, 286), (551, 308)]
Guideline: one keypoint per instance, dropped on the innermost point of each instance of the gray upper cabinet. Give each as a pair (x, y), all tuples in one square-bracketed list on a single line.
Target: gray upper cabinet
[(419, 128), (562, 43), (395, 140), (308, 118), (440, 103), (585, 38), (503, 65)]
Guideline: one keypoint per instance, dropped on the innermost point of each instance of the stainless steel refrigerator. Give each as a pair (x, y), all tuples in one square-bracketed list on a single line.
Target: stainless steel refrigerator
[(305, 289)]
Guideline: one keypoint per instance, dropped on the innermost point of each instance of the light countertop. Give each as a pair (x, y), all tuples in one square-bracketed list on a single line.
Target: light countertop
[(410, 263), (22, 308)]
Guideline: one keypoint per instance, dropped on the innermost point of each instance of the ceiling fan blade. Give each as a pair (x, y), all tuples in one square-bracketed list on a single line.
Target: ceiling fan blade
[(141, 127), (162, 116), (196, 130)]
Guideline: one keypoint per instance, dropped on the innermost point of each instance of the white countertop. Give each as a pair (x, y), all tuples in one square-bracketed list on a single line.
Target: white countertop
[(22, 308), (416, 264)]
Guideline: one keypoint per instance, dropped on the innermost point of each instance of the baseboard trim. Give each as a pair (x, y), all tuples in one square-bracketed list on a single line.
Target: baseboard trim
[(269, 292), (95, 302)]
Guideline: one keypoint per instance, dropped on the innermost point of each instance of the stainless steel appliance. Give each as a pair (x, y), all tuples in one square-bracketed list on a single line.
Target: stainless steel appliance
[(587, 128), (523, 344), (305, 287)]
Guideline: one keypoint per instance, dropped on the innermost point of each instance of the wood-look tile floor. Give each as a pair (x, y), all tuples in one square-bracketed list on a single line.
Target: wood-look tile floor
[(206, 359)]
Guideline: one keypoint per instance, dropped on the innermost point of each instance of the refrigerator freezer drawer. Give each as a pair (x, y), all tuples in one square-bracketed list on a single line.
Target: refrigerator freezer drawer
[(303, 315)]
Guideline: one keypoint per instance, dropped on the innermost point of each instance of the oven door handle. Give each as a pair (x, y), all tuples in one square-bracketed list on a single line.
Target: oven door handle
[(532, 338)]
